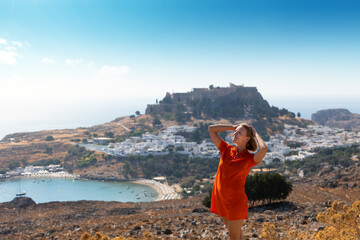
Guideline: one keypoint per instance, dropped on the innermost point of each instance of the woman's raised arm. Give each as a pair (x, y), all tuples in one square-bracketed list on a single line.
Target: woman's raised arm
[(262, 147), (215, 129)]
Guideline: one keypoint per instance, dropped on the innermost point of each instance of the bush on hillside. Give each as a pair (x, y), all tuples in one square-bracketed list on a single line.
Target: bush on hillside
[(49, 138), (80, 157), (86, 160), (14, 164), (341, 221), (207, 200), (263, 187), (267, 188)]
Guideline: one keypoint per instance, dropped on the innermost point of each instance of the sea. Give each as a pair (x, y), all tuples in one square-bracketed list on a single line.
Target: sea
[(43, 190)]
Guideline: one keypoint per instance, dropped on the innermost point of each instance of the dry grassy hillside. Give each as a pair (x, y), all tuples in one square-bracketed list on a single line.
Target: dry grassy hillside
[(32, 146), (169, 219)]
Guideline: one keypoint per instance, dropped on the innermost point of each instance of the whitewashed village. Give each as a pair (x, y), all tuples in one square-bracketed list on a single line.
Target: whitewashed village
[(311, 137)]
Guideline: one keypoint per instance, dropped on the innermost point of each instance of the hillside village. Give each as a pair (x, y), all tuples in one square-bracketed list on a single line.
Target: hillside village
[(311, 137), (314, 136), (279, 145), (151, 144)]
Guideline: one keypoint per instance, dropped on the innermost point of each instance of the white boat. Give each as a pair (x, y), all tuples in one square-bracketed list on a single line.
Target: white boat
[(21, 194)]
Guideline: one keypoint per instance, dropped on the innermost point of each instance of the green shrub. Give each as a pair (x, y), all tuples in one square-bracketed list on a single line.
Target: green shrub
[(207, 200), (49, 138), (266, 187)]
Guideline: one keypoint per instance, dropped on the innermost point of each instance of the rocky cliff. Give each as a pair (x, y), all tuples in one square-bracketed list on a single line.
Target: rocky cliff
[(341, 118), (233, 101)]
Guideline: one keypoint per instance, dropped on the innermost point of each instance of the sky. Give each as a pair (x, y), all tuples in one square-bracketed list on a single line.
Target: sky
[(77, 63)]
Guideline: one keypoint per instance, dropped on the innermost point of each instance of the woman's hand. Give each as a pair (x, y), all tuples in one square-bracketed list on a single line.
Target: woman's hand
[(215, 129)]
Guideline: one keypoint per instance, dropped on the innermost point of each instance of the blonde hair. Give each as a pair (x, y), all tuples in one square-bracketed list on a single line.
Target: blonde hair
[(251, 144)]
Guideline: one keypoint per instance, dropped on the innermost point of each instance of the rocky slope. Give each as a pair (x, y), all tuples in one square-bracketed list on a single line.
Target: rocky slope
[(341, 118), (176, 219), (32, 146)]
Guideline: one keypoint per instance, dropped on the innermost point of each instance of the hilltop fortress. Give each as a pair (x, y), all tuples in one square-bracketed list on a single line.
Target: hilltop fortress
[(210, 101)]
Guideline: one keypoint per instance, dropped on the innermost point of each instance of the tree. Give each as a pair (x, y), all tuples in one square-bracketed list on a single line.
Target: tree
[(184, 194), (126, 169), (276, 160), (86, 160), (180, 148), (109, 134), (156, 121), (298, 114), (137, 113), (14, 164), (48, 150), (207, 200), (49, 138), (267, 187), (211, 87)]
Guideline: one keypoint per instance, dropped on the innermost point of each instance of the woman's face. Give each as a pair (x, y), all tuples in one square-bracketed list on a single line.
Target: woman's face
[(240, 135)]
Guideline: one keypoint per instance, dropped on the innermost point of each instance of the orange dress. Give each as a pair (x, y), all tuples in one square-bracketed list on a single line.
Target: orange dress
[(228, 195)]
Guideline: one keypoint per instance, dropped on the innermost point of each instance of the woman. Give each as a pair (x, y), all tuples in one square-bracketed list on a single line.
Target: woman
[(228, 196)]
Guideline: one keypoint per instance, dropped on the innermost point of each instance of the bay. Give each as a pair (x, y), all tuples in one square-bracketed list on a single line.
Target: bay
[(61, 189)]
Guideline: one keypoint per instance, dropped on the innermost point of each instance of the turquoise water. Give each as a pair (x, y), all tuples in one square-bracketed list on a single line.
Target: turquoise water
[(59, 189)]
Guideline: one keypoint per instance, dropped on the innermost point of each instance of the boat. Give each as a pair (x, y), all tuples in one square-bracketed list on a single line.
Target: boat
[(21, 194)]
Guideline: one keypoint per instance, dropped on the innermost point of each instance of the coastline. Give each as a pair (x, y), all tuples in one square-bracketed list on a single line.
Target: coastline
[(165, 192), (61, 174)]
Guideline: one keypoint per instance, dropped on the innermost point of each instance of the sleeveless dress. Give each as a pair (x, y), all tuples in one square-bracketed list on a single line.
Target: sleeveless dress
[(228, 195)]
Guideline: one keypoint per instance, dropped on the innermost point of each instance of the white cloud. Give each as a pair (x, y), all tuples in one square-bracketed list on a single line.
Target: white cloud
[(3, 41), (70, 61), (10, 48), (47, 60), (17, 43), (8, 57), (113, 72)]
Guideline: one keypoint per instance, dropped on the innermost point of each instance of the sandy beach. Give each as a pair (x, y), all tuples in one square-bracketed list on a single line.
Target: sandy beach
[(164, 190)]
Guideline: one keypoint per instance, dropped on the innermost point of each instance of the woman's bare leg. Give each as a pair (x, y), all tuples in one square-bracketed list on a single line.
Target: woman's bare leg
[(235, 231)]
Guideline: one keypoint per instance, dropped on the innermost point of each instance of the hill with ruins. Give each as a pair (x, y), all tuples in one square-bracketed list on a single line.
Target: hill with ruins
[(235, 101)]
